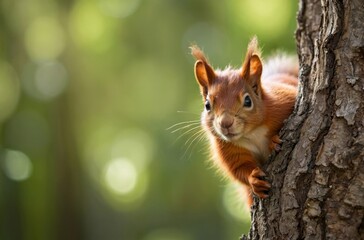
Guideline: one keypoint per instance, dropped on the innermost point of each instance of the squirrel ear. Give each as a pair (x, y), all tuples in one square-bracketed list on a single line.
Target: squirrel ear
[(255, 68), (204, 75), (252, 71), (252, 65)]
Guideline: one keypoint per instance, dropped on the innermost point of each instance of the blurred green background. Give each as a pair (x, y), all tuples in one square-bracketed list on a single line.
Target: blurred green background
[(88, 91)]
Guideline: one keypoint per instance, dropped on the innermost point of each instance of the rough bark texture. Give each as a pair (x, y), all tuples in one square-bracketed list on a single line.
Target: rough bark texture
[(318, 177)]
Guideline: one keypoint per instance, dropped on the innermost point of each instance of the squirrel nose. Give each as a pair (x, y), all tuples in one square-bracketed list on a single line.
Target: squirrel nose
[(226, 122)]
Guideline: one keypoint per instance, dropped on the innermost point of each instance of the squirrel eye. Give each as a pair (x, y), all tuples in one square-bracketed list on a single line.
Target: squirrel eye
[(247, 101), (208, 106)]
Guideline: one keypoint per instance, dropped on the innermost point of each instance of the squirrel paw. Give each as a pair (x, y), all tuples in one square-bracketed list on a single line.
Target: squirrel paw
[(259, 186), (275, 144)]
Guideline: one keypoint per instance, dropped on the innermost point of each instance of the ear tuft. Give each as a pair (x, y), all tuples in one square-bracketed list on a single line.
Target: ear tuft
[(198, 53)]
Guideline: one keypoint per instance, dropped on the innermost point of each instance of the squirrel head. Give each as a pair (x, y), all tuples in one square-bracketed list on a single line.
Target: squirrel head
[(232, 97)]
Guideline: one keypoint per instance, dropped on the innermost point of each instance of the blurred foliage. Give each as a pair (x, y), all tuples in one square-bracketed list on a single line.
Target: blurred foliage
[(88, 89)]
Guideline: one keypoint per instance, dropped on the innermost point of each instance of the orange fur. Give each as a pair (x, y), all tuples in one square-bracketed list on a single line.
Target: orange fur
[(244, 113)]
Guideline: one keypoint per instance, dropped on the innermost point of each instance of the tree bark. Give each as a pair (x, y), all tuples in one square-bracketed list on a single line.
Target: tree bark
[(318, 177)]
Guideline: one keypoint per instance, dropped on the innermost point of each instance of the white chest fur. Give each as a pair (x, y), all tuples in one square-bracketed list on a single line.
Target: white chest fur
[(256, 142)]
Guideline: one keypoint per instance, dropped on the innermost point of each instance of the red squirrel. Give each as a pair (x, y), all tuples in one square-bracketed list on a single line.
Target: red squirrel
[(244, 111)]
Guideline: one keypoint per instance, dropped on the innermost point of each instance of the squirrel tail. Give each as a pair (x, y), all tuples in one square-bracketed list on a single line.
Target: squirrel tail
[(281, 64)]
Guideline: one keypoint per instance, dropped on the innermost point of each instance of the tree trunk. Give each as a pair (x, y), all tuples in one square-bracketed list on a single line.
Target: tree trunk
[(318, 177)]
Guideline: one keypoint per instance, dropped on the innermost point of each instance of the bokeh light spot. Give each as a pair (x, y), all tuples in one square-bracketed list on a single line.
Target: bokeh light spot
[(262, 17), (17, 165), (113, 160), (89, 28), (51, 79), (44, 39), (121, 176), (133, 144), (9, 90)]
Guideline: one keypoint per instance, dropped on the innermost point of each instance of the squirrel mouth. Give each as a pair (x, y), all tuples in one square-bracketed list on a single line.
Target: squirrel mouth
[(230, 136)]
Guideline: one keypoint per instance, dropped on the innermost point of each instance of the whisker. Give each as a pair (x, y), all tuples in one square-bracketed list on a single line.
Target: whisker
[(187, 126), (188, 131), (202, 136), (181, 123), (194, 137)]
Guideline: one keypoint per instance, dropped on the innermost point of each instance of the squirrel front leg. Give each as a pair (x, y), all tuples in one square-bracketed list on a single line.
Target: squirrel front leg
[(245, 169)]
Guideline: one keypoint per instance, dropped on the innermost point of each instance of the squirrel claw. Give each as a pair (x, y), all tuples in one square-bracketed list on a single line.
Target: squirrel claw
[(275, 143), (259, 186)]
